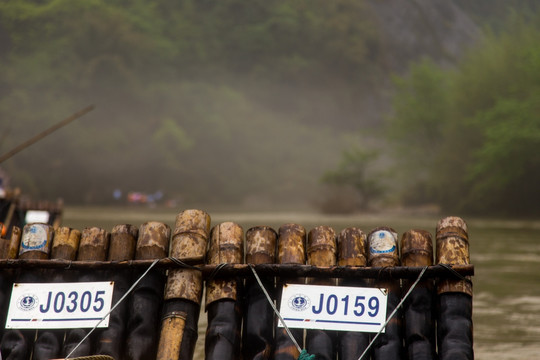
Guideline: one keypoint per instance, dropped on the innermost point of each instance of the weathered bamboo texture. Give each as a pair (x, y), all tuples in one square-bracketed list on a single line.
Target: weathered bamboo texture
[(48, 344), (223, 296), (93, 246), (35, 244), (352, 251), (454, 328), (321, 251), (291, 250), (110, 341), (418, 309), (172, 332), (146, 299), (383, 251), (184, 288), (258, 334)]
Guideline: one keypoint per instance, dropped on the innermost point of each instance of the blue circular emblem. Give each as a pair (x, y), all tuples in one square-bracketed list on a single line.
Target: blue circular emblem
[(299, 302), (27, 302)]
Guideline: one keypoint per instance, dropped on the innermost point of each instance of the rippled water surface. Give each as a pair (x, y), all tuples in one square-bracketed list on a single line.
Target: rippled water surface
[(506, 256)]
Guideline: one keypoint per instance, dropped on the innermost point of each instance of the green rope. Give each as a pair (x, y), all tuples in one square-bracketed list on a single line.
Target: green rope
[(305, 356)]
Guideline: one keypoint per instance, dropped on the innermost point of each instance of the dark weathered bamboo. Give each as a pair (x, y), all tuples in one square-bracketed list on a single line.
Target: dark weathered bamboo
[(418, 309), (454, 327), (146, 299), (93, 246), (110, 341), (170, 340), (352, 251), (184, 288), (258, 334), (291, 251), (48, 344), (321, 251), (35, 244), (383, 251), (223, 296)]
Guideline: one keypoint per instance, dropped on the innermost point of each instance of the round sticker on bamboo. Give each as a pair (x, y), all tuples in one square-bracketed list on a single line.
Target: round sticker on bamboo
[(35, 237), (382, 242)]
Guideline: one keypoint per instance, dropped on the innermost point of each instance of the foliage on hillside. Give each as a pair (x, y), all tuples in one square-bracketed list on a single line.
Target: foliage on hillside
[(468, 138)]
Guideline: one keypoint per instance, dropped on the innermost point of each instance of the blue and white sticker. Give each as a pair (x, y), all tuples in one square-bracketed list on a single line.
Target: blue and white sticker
[(382, 242), (59, 305), (333, 308)]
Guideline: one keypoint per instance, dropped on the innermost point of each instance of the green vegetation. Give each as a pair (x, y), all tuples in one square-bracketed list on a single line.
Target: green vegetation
[(468, 138), (229, 103)]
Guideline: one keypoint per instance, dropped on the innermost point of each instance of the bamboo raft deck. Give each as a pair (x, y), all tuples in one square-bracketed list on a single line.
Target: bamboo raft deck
[(158, 319)]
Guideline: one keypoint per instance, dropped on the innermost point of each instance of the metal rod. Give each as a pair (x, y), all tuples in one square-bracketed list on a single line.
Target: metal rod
[(286, 270), (45, 133)]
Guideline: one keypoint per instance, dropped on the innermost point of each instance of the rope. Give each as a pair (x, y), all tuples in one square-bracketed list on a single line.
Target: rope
[(271, 302), (114, 307), (394, 312)]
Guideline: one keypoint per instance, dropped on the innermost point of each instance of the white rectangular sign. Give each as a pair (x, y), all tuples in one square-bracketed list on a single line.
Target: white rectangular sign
[(59, 305), (333, 307)]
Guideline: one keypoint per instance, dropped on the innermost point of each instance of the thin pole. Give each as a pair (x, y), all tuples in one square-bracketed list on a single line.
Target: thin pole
[(45, 133)]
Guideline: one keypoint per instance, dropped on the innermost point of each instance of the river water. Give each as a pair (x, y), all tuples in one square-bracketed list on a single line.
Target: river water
[(506, 256)]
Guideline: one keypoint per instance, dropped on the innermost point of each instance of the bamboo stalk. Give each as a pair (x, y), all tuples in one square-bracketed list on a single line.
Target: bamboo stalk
[(258, 314), (35, 244), (93, 246), (223, 295), (384, 251), (352, 247), (418, 309), (146, 300), (110, 341), (454, 327), (184, 288), (49, 343), (291, 252), (321, 251)]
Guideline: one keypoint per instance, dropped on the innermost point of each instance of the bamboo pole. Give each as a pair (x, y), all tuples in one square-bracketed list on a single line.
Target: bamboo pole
[(223, 296), (454, 327), (93, 246), (418, 309), (258, 334), (110, 341), (172, 332), (35, 244), (321, 251), (184, 288), (65, 244), (352, 246), (384, 251), (291, 251), (146, 299)]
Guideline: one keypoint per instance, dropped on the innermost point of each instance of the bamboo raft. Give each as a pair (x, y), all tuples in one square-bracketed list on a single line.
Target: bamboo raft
[(162, 274)]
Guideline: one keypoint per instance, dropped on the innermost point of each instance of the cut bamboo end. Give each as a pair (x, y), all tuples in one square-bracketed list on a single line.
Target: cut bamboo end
[(36, 241), (261, 245), (291, 244), (66, 243), (383, 247), (226, 246), (153, 241), (352, 244), (123, 242), (94, 244), (453, 249)]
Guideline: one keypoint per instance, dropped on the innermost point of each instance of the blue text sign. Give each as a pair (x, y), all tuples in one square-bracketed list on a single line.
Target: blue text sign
[(59, 305), (333, 307)]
